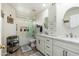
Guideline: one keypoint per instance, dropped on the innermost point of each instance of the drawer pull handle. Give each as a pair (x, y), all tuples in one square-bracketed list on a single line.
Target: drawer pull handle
[(47, 47)]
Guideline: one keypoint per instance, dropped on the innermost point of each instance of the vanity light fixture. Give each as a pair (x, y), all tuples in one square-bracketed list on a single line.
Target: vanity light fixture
[(66, 21)]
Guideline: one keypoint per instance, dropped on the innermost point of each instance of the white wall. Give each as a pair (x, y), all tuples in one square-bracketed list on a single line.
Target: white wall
[(7, 9), (61, 9)]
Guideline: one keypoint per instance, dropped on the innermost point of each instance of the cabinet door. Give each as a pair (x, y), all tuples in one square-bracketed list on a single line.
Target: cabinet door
[(57, 51), (69, 53), (42, 45), (38, 44), (48, 47)]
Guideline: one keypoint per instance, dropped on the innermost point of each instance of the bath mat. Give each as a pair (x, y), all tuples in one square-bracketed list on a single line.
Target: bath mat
[(26, 48)]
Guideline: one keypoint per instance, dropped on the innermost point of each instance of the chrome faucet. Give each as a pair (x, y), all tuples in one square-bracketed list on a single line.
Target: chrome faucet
[(71, 35)]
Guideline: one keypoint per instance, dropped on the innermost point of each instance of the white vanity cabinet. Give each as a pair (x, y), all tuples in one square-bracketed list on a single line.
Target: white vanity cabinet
[(52, 46), (40, 44), (69, 53), (44, 45), (48, 46), (57, 51), (62, 48)]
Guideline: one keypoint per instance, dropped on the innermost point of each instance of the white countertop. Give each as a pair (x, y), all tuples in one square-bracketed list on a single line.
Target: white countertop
[(71, 40)]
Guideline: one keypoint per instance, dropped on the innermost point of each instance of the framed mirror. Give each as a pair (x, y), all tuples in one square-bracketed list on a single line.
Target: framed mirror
[(71, 18)]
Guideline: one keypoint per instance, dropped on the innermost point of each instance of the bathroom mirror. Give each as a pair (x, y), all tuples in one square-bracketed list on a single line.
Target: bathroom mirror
[(71, 17)]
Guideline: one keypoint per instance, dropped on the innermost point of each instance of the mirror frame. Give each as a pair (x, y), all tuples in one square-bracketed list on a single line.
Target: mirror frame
[(66, 21)]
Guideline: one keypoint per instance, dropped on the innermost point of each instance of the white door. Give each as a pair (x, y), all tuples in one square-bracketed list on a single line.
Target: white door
[(42, 45), (57, 51), (2, 37)]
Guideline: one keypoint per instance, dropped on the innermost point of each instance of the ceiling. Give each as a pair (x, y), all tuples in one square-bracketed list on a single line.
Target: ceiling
[(28, 9)]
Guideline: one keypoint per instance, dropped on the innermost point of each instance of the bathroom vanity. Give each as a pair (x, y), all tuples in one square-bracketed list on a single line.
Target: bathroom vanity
[(57, 46)]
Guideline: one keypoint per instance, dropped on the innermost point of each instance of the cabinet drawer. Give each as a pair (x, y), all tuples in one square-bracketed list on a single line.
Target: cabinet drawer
[(48, 52), (49, 48)]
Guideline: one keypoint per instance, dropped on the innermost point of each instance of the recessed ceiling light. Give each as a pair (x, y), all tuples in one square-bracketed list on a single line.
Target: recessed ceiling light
[(44, 5)]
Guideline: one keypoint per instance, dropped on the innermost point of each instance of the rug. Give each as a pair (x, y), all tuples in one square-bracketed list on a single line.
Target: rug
[(26, 48)]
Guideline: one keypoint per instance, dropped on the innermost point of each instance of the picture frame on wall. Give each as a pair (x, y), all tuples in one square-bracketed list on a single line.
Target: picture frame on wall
[(10, 19), (2, 14)]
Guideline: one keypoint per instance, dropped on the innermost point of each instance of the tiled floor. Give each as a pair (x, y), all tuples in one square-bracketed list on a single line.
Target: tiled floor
[(29, 53)]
